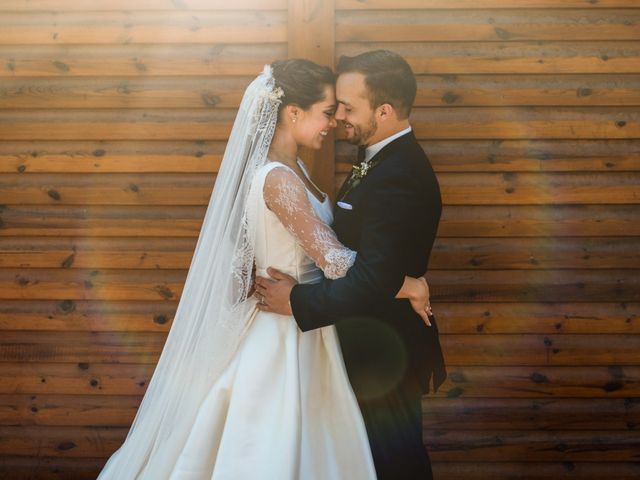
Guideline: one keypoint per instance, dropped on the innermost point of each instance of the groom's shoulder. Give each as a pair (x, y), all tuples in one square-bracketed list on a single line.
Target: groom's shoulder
[(408, 160)]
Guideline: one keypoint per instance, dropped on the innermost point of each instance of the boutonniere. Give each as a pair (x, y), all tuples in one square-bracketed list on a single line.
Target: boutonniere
[(358, 172)]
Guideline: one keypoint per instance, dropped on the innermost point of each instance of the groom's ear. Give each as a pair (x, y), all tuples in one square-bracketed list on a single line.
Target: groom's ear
[(385, 111)]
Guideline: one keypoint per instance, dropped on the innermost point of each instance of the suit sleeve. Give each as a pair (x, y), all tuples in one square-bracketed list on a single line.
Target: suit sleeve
[(392, 209)]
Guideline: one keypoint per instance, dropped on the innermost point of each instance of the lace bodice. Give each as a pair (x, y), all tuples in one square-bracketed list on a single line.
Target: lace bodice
[(292, 227)]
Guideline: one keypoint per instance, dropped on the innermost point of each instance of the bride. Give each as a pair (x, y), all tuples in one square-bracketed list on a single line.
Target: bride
[(242, 394)]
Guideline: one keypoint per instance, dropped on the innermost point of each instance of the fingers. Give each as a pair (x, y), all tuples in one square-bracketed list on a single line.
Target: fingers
[(262, 281), (427, 313), (276, 274), (425, 318)]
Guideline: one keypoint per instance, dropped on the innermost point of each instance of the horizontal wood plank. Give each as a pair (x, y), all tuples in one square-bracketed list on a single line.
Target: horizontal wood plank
[(540, 318), (535, 285), (101, 125), (69, 410), (460, 350), (526, 123), (74, 442), (83, 347), (111, 157), (226, 92), (428, 124), (438, 413), (64, 284), (141, 5), (195, 189), (205, 156), (70, 315), (446, 285), (560, 349), (449, 253), (485, 25), (527, 414), (112, 221), (134, 253), (47, 468), (538, 221), (453, 318), (138, 60), (529, 253), (528, 155), (504, 445), (482, 470), (152, 27), (74, 379), (457, 221), (515, 57), (50, 468), (548, 188), (126, 92), (471, 4), (614, 381), (518, 446), (524, 90), (33, 378), (107, 189)]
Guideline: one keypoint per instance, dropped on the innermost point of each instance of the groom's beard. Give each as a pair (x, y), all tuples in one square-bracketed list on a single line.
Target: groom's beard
[(361, 134)]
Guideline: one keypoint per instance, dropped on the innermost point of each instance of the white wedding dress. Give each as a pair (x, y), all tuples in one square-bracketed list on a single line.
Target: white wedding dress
[(283, 409)]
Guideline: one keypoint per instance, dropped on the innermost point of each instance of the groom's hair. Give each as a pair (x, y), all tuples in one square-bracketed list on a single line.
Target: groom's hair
[(388, 77)]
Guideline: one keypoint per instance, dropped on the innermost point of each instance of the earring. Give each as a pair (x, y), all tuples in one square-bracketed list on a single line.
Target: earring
[(293, 119)]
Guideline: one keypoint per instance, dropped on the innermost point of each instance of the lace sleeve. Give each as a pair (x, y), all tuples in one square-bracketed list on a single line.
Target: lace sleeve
[(286, 196)]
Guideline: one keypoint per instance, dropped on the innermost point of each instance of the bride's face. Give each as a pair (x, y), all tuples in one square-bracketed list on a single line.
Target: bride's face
[(312, 125)]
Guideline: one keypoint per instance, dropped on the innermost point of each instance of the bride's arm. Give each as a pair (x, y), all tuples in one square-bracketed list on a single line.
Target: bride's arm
[(286, 196)]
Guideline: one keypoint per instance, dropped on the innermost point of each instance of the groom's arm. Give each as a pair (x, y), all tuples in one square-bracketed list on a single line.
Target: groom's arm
[(389, 229)]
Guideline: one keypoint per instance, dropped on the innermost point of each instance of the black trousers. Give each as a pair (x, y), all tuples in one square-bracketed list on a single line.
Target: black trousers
[(394, 427), (389, 395)]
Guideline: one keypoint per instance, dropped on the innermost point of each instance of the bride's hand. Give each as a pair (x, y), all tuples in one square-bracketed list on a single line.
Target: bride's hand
[(420, 301)]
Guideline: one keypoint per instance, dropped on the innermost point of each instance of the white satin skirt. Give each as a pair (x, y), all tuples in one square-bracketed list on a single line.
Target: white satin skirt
[(282, 410)]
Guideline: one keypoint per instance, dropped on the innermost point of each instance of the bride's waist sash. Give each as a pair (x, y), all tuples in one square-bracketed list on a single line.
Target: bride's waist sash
[(307, 273)]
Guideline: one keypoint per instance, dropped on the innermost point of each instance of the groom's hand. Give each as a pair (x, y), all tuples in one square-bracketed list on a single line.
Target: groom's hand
[(273, 293)]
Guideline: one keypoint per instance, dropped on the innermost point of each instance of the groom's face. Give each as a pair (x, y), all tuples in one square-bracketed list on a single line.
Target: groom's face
[(354, 109)]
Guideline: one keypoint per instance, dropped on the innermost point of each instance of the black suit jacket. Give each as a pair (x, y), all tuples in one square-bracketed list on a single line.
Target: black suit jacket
[(392, 227)]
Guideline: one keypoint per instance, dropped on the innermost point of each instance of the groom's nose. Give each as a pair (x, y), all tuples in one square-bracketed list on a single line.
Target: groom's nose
[(340, 113)]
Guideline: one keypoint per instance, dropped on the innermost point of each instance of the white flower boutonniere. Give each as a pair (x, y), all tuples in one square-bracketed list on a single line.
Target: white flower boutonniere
[(360, 171)]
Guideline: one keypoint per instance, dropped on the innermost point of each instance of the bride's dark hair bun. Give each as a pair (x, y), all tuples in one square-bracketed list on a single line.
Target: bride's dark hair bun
[(302, 81)]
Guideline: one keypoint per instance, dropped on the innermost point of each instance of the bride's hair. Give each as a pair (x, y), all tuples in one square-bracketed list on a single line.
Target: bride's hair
[(302, 81)]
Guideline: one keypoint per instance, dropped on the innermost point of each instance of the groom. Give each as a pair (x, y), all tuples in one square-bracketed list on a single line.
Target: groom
[(388, 212)]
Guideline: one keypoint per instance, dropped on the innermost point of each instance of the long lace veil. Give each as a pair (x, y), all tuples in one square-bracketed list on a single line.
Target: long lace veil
[(214, 310)]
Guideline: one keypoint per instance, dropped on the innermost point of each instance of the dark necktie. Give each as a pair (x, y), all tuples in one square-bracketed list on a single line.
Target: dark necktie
[(361, 151), (347, 183)]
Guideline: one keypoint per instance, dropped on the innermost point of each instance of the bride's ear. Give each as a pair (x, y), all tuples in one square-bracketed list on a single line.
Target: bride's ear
[(292, 113)]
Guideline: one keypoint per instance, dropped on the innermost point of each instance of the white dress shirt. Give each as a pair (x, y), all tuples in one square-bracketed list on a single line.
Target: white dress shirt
[(376, 147)]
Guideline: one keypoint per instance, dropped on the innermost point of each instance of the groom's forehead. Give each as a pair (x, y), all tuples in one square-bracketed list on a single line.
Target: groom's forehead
[(351, 87)]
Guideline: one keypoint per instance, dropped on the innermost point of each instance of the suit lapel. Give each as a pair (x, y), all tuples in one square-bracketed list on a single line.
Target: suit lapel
[(384, 153)]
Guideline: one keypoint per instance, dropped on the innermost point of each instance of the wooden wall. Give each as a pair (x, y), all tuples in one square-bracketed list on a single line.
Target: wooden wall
[(113, 119)]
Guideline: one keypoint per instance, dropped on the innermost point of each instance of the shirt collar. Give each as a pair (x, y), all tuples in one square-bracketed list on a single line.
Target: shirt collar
[(372, 150)]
